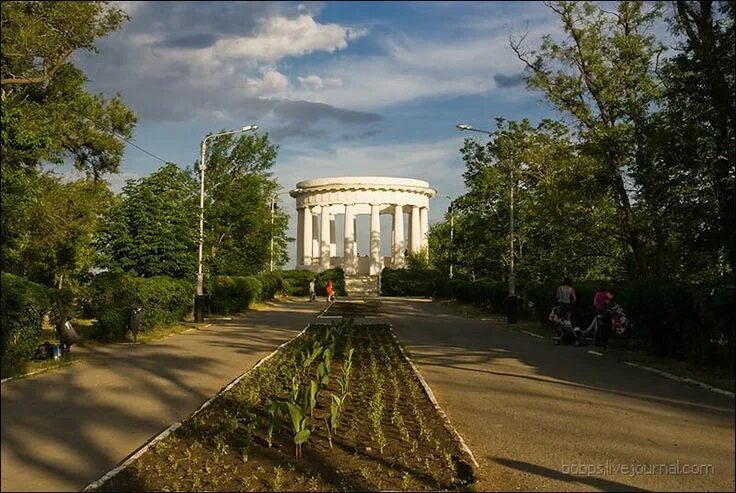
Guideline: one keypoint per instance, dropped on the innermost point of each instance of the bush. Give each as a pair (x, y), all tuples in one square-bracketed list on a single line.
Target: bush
[(296, 282), (163, 301), (232, 294), (23, 305), (410, 282)]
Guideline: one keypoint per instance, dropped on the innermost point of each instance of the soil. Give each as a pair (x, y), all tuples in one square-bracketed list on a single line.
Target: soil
[(356, 309), (389, 438)]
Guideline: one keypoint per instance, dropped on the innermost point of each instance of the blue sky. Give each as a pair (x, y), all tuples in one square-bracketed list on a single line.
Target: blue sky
[(344, 88)]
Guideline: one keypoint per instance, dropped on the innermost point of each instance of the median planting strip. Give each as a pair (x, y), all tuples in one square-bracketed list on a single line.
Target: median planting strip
[(339, 408)]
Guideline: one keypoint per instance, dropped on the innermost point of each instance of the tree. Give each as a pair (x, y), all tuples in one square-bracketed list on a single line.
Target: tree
[(152, 229), (604, 78), (238, 207), (562, 215), (696, 131), (48, 118), (61, 225), (46, 113)]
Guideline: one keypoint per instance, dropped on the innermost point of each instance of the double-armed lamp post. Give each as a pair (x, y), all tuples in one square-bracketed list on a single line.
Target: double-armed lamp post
[(199, 299), (511, 301)]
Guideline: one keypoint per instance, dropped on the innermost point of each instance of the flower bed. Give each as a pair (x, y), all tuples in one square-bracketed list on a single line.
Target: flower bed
[(337, 409)]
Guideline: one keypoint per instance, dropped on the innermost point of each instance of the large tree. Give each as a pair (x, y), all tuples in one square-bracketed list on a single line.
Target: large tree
[(238, 220), (603, 77), (562, 216), (48, 118), (696, 145), (152, 229)]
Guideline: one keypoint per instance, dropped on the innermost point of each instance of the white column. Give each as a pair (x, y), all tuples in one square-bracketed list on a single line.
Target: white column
[(375, 240), (333, 237), (398, 247), (416, 233), (324, 239), (355, 243), (315, 237), (304, 235), (424, 220), (349, 240)]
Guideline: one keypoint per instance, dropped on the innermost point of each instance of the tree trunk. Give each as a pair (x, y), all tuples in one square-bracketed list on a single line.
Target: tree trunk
[(628, 228)]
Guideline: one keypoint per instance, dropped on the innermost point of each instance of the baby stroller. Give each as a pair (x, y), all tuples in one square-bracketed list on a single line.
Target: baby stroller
[(565, 333), (616, 320)]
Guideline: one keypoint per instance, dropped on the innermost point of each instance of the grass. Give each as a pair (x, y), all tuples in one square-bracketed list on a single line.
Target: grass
[(83, 327)]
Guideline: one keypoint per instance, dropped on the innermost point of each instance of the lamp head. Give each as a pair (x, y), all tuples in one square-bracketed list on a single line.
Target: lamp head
[(250, 128), (463, 126)]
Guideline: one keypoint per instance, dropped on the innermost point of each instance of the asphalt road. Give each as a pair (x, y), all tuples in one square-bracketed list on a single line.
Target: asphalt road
[(545, 417), (535, 415), (64, 429)]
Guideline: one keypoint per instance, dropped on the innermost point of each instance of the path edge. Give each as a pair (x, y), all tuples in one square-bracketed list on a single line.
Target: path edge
[(445, 419), (165, 433)]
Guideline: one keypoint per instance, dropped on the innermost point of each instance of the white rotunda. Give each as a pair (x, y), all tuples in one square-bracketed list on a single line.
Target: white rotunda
[(318, 201)]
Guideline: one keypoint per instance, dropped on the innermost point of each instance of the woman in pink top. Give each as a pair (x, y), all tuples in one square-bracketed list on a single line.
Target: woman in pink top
[(602, 301)]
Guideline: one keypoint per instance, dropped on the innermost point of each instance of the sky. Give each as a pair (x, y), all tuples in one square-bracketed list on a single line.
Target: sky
[(343, 88)]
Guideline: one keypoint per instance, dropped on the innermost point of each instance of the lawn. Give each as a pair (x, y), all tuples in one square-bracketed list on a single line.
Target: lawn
[(337, 409)]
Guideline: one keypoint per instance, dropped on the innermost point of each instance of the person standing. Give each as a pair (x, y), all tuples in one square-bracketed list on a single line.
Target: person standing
[(330, 291), (602, 302), (312, 291), (566, 297)]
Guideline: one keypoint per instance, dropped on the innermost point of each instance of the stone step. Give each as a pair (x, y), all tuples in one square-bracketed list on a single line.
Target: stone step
[(361, 285)]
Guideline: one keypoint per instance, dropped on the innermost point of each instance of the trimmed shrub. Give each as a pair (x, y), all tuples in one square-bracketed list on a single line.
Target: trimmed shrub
[(163, 301), (297, 281), (410, 282), (232, 294), (23, 305)]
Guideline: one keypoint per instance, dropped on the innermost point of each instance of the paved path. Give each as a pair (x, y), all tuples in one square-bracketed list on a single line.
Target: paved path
[(65, 428), (527, 408)]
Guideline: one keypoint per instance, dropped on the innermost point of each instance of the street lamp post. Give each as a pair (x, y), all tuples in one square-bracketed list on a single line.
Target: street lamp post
[(511, 301), (451, 210), (273, 212), (199, 301)]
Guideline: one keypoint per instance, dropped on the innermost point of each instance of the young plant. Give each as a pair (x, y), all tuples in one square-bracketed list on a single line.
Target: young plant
[(299, 426), (274, 407)]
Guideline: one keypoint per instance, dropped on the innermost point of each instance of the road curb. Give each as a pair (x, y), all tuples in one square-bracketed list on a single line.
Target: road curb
[(440, 411), (37, 372), (672, 376), (117, 470)]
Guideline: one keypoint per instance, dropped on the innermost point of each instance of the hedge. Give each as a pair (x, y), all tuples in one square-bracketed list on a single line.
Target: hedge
[(410, 282), (231, 294), (163, 301), (682, 320), (296, 282), (23, 305)]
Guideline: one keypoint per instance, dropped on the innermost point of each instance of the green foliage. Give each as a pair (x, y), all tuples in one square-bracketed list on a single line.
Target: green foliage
[(297, 281), (54, 231), (409, 282), (232, 294), (239, 192), (163, 301), (603, 77), (47, 115), (23, 305), (418, 259), (152, 229)]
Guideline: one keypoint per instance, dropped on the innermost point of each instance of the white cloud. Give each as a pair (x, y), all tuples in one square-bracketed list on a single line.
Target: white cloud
[(272, 83), (280, 37), (413, 68)]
